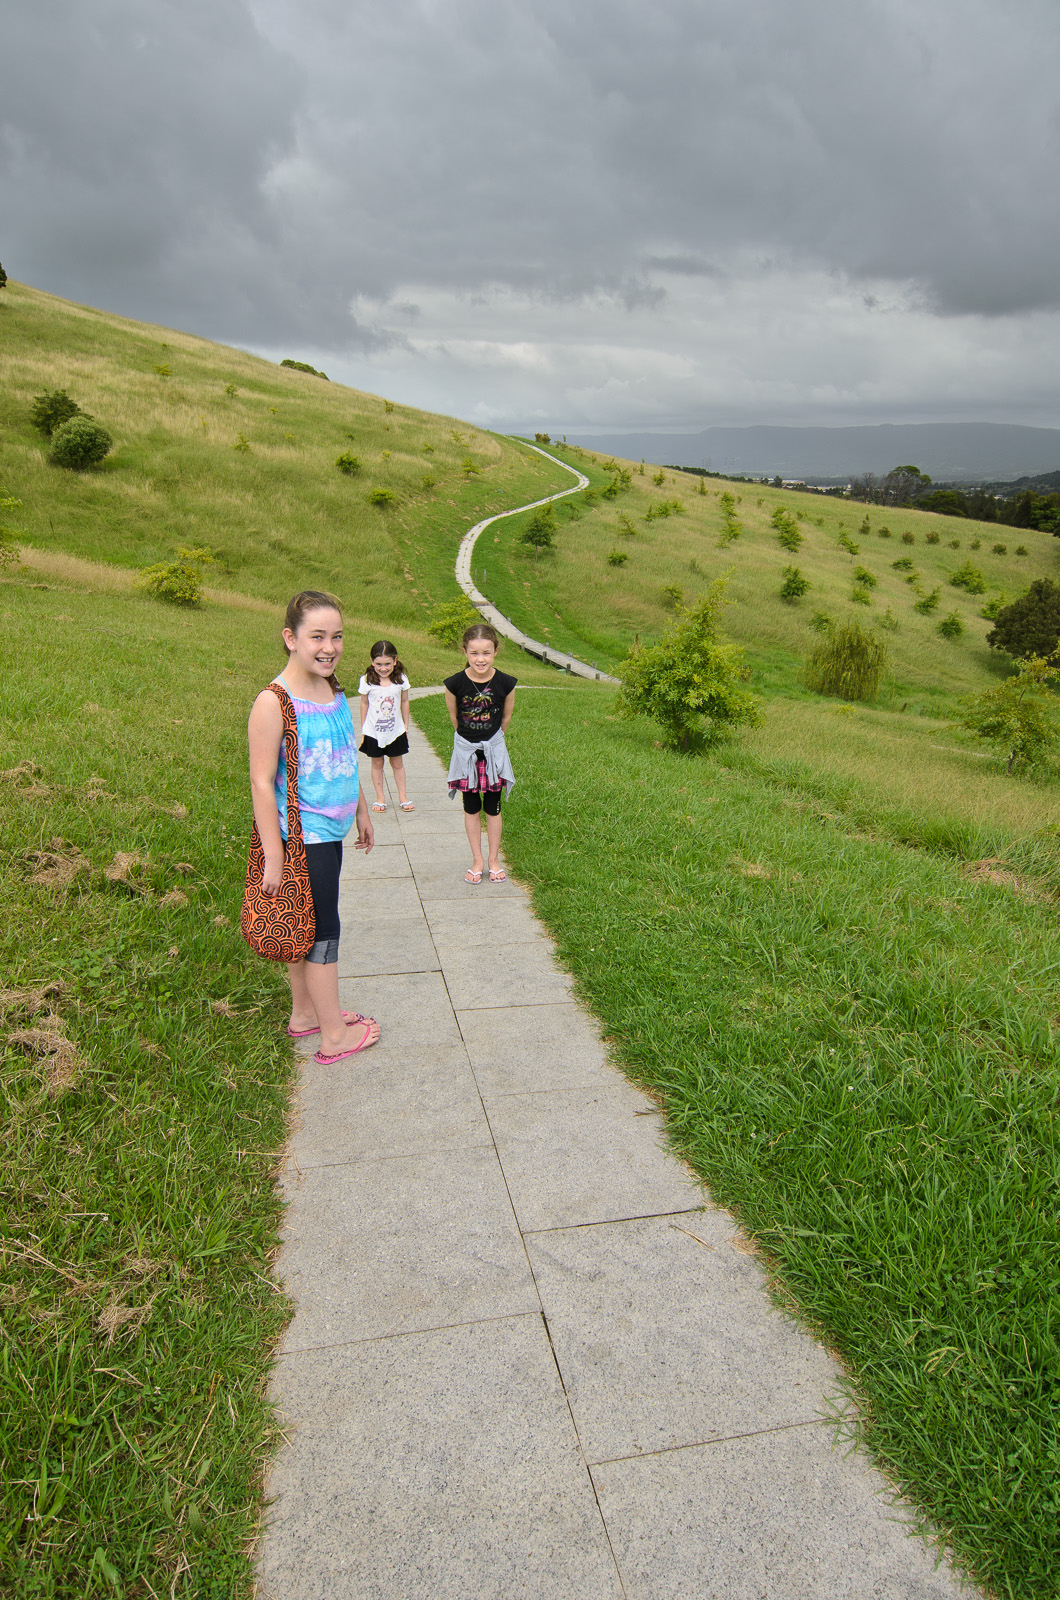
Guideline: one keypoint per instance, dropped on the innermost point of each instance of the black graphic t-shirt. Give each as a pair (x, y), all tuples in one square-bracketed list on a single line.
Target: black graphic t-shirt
[(479, 706)]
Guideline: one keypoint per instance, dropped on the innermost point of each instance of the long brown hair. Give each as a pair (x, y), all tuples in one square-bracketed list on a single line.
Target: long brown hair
[(480, 630), (299, 607), (383, 647)]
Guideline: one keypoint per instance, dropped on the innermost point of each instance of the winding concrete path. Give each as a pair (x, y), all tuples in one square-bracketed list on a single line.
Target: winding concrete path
[(529, 1358), (534, 647)]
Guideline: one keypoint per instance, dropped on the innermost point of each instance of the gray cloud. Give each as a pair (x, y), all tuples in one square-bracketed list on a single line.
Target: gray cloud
[(252, 168)]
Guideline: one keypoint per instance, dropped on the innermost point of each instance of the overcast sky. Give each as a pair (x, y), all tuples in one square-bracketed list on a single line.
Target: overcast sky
[(599, 214)]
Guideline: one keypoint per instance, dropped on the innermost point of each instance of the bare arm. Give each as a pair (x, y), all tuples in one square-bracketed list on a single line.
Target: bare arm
[(509, 707), (450, 706), (365, 832), (265, 736), (364, 710), (405, 707)]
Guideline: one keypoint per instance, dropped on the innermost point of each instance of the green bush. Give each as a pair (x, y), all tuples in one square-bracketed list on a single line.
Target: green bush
[(929, 602), (888, 620), (848, 663), (821, 622), (951, 626), (883, 533), (1030, 625), (383, 498), (794, 586), (848, 544), (428, 481), (908, 538), (79, 443), (673, 597), (863, 576), (51, 409), (617, 558), (242, 445), (179, 582), (931, 538), (903, 564), (968, 577), (303, 366), (692, 681), (999, 549), (1021, 550), (348, 463), (993, 609), (540, 531), (451, 619)]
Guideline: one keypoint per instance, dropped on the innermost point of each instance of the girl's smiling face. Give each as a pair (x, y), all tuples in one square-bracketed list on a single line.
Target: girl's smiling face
[(317, 646), (384, 667), (480, 654)]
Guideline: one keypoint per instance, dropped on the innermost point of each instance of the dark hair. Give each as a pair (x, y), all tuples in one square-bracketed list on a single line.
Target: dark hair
[(383, 647), (480, 630), (299, 607)]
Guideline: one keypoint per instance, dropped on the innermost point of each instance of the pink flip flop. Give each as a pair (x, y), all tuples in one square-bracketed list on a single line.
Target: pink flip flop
[(352, 1018), (329, 1061)]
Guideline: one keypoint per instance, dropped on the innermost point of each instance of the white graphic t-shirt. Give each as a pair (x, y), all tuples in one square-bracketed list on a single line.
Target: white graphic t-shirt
[(384, 722)]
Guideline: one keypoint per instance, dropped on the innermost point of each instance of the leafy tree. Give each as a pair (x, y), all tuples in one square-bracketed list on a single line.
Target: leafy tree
[(847, 663), (79, 443), (968, 577), (929, 602), (948, 502), (540, 531), (1016, 717), (542, 438), (51, 409), (951, 626), (303, 366), (1030, 626), (692, 681)]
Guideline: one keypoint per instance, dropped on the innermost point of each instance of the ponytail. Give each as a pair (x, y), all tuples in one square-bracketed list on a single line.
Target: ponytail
[(299, 608)]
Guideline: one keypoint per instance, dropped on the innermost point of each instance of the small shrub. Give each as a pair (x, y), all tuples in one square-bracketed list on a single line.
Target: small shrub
[(908, 538), (931, 538), (860, 596), (1021, 550), (348, 463), (451, 619), (863, 576), (929, 602), (976, 543), (590, 497), (865, 530), (888, 620), (388, 406), (302, 366), (231, 389), (993, 608), (468, 467), (794, 586), (883, 533), (951, 626), (848, 544), (692, 677), (903, 564), (242, 445), (428, 449), (177, 582), (428, 481), (79, 443), (627, 527), (968, 577), (847, 663), (164, 369), (51, 409), (540, 531), (542, 438), (999, 549), (384, 455), (955, 544), (673, 597), (702, 486), (821, 622), (383, 498), (659, 478), (617, 558)]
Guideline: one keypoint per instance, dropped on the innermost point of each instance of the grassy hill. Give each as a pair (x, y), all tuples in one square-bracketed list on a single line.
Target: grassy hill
[(830, 949)]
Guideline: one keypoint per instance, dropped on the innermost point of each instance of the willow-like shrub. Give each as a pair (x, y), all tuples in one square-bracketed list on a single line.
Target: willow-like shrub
[(848, 663)]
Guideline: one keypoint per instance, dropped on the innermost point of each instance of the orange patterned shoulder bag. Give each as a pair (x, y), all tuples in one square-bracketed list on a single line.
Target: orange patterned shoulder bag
[(281, 927)]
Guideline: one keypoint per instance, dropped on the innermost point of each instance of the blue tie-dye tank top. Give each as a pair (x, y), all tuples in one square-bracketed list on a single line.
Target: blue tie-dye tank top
[(327, 770)]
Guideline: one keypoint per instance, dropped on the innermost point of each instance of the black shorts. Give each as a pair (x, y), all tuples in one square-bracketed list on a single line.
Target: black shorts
[(399, 746), (324, 862), (488, 800)]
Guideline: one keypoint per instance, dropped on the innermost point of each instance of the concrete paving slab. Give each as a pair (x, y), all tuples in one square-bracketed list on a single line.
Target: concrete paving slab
[(393, 1101), (388, 945), (441, 1466), (506, 921), (665, 1339), (524, 1049), (514, 974), (779, 1516), (383, 861), (575, 1156), (400, 1245), (361, 896), (412, 1008)]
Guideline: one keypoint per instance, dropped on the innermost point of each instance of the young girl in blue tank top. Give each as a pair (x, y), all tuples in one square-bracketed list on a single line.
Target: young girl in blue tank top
[(329, 803)]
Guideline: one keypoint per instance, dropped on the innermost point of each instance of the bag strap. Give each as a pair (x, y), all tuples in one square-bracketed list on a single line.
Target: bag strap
[(290, 734)]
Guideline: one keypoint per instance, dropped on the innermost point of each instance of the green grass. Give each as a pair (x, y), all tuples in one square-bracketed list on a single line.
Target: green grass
[(574, 599), (854, 1043), (137, 1164)]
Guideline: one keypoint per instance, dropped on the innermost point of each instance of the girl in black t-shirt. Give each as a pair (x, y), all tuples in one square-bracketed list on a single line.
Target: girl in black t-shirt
[(480, 701)]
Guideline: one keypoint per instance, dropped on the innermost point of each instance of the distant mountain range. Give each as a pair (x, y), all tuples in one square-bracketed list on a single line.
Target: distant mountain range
[(958, 452)]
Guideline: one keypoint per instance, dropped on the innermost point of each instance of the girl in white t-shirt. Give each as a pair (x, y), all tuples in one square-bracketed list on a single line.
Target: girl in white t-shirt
[(384, 692)]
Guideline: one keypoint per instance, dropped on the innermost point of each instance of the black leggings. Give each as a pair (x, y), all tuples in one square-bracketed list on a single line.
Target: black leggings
[(324, 862), (490, 799)]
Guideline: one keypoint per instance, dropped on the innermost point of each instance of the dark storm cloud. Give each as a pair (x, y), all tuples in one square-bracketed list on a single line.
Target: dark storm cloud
[(248, 167)]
